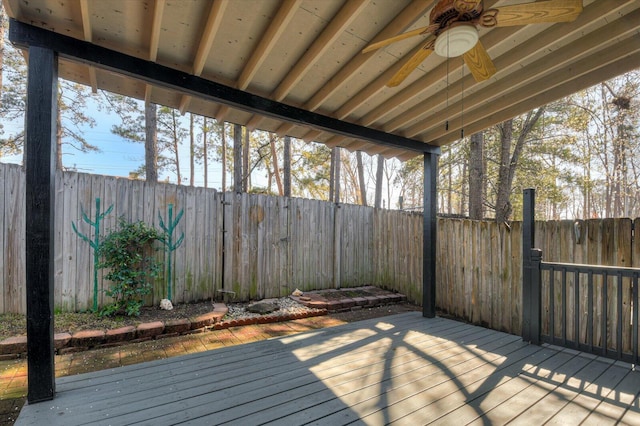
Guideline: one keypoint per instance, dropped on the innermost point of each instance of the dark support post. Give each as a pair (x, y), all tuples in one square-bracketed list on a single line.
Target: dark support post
[(528, 237), (536, 297), (39, 163), (429, 239)]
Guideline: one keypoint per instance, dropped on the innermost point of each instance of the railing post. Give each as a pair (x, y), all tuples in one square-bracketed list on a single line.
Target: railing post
[(528, 235), (535, 301)]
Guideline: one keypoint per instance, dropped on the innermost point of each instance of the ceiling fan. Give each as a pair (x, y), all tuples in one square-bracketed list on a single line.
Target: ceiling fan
[(453, 31)]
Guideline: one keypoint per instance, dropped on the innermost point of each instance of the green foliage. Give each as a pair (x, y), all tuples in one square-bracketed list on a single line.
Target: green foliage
[(127, 253)]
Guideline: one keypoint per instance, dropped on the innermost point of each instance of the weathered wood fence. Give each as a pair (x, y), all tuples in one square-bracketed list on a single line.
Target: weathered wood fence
[(263, 246), (252, 245)]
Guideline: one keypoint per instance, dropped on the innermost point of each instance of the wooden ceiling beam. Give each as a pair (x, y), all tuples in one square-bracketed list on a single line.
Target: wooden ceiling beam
[(211, 28), (563, 83), (156, 24), (508, 62), (333, 30), (406, 18), (278, 25), (25, 35), (88, 36)]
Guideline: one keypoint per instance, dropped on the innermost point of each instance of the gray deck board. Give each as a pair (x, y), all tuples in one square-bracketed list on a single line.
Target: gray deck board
[(402, 369)]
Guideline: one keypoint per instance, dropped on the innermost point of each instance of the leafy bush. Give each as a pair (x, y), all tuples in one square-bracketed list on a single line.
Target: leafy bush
[(127, 253)]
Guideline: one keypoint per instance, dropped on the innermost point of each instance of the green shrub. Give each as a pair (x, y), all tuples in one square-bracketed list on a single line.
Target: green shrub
[(127, 254)]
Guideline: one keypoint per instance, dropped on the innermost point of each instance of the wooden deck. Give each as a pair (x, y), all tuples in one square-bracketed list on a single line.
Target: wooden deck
[(402, 369)]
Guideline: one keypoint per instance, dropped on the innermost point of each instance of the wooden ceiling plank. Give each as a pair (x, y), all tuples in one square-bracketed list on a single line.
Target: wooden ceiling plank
[(333, 30), (86, 21), (623, 65), (216, 14), (536, 71), (93, 79), (222, 113), (602, 65), (156, 24), (311, 136), (268, 41), (147, 92), (335, 141), (407, 17), (284, 129), (506, 62), (204, 46), (24, 35), (185, 100)]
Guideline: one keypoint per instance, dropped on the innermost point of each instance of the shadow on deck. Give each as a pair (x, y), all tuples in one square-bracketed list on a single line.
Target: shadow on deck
[(402, 369)]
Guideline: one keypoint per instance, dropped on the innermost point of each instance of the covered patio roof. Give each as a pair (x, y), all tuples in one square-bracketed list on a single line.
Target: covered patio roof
[(294, 67), (295, 57)]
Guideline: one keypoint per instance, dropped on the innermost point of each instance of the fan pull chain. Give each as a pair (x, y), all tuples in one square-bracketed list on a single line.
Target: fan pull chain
[(446, 124), (462, 105)]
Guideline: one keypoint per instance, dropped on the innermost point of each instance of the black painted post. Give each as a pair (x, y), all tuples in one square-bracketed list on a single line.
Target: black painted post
[(536, 297), (528, 236), (429, 239), (39, 163)]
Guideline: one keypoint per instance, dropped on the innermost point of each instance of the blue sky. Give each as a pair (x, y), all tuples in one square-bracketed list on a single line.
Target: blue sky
[(117, 156)]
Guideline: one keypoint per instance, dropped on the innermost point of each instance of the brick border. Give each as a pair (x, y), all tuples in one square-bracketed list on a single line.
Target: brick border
[(15, 347)]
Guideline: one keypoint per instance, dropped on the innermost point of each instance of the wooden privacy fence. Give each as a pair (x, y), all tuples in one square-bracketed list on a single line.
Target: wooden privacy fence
[(255, 246), (262, 246)]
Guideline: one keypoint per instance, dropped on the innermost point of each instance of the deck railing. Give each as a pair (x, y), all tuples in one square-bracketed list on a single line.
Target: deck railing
[(588, 307), (591, 308)]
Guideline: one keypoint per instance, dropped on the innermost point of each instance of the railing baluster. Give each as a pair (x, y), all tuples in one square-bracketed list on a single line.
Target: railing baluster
[(635, 316), (619, 307), (590, 310), (552, 305), (576, 308), (563, 311), (605, 313)]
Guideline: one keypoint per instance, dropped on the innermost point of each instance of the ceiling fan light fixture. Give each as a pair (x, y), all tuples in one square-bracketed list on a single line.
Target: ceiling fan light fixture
[(456, 41)]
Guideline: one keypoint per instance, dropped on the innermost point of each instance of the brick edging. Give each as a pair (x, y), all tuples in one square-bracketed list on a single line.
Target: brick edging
[(16, 347)]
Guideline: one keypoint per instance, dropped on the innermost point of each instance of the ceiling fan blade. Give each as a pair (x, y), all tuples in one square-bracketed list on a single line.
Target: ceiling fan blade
[(537, 13), (412, 63), (388, 41), (479, 62)]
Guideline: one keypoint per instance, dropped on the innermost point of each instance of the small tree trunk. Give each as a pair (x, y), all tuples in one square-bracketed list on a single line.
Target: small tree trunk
[(503, 204), (274, 157), (176, 143), (337, 167), (476, 176), (363, 188), (379, 174), (150, 142), (224, 157), (192, 151), (205, 151), (237, 158), (245, 161), (287, 166)]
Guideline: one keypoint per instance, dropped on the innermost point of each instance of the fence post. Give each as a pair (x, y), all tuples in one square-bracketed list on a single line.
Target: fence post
[(528, 235)]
